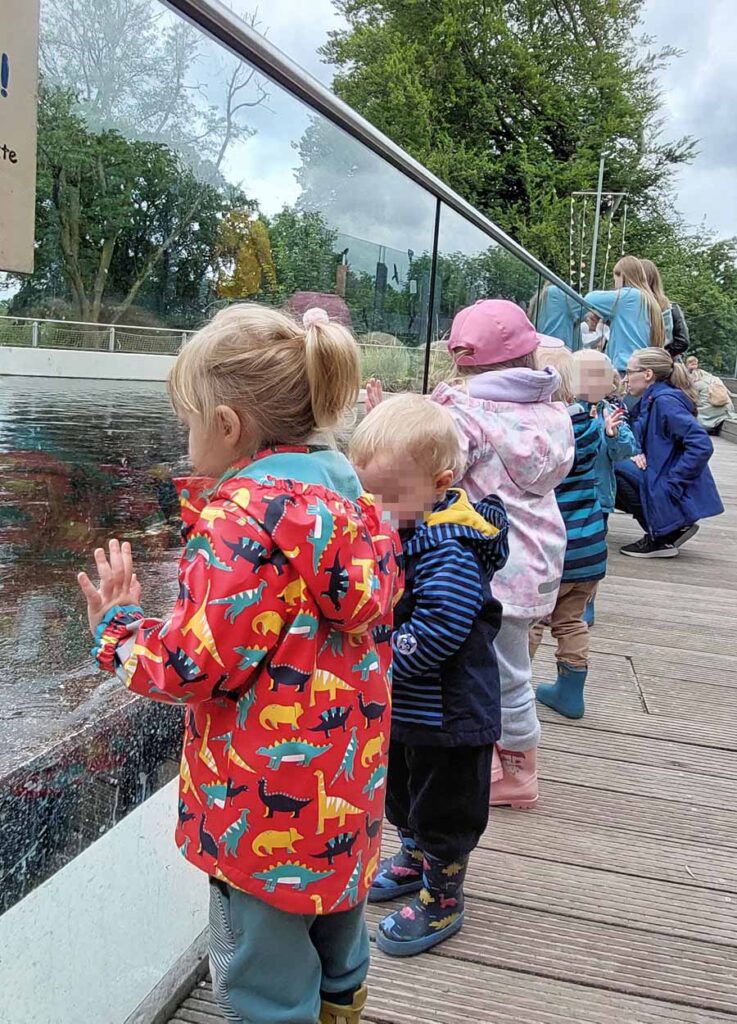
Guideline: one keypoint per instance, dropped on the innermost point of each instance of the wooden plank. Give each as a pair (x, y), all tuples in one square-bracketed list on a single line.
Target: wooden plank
[(619, 959), (660, 753), (607, 716), (602, 895), (662, 783), (581, 807), (614, 900), (686, 863), (438, 990)]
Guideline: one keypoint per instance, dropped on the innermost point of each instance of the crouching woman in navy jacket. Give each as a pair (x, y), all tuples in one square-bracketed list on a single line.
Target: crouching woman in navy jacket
[(669, 487)]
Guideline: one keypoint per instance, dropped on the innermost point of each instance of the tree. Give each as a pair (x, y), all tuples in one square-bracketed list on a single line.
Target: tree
[(511, 101), (244, 253), (303, 249), (147, 74), (115, 219)]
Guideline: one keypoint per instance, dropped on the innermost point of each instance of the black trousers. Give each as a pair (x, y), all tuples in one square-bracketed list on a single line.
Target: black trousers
[(440, 795), (628, 500)]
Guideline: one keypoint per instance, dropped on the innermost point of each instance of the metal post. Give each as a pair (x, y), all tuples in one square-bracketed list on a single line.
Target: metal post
[(600, 186), (431, 297), (111, 342), (34, 334)]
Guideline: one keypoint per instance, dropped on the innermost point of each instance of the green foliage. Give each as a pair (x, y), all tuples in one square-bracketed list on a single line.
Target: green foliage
[(303, 252), (117, 221), (511, 102)]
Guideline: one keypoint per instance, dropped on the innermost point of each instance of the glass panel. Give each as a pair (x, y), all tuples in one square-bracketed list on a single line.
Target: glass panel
[(472, 266), (173, 180)]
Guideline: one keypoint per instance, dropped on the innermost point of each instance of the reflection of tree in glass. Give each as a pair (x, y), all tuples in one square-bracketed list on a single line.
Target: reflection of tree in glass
[(146, 73), (136, 116)]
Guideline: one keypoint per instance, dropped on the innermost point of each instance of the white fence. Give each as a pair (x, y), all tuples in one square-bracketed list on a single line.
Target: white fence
[(27, 332)]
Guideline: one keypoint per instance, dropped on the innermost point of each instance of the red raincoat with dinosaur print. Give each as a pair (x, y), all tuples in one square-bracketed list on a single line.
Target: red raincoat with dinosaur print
[(280, 649)]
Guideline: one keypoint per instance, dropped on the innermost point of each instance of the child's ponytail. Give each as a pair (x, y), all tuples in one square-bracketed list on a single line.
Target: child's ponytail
[(333, 366), (285, 380)]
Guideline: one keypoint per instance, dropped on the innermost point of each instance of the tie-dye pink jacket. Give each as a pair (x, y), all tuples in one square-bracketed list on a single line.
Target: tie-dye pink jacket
[(519, 444)]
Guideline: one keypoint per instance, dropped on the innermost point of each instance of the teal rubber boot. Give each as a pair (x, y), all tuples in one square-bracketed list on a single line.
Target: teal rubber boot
[(565, 695)]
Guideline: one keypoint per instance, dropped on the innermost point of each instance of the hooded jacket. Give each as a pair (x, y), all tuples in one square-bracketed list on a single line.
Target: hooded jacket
[(578, 501), (279, 649), (518, 444), (677, 487), (446, 681)]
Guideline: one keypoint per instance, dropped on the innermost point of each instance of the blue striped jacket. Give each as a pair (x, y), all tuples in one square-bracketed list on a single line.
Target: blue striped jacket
[(578, 501), (446, 681)]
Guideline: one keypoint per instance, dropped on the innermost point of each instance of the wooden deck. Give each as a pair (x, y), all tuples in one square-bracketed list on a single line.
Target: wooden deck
[(615, 900)]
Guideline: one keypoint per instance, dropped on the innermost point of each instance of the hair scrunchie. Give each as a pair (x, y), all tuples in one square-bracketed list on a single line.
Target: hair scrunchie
[(314, 316)]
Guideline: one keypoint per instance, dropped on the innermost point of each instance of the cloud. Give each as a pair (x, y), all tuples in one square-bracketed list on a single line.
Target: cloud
[(700, 97)]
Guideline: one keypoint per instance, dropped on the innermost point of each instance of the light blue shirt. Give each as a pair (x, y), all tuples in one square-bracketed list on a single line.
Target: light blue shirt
[(629, 322), (558, 315)]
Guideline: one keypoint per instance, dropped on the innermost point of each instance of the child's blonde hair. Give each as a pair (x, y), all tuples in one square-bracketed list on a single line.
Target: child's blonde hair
[(562, 361), (287, 380), (409, 425), (586, 366)]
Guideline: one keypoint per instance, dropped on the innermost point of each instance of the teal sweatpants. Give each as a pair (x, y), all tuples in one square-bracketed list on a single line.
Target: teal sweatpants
[(270, 967)]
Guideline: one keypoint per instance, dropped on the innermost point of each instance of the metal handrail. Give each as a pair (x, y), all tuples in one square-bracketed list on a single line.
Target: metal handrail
[(227, 28)]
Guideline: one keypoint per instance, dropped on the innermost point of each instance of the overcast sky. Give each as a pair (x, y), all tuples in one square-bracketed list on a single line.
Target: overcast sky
[(699, 89)]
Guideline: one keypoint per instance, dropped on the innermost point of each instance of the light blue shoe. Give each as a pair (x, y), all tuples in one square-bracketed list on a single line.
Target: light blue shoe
[(565, 695)]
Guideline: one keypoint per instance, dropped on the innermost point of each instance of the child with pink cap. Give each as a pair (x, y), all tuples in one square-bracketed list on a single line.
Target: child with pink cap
[(517, 443)]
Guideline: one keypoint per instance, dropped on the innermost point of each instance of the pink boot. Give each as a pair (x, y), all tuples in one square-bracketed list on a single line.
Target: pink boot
[(518, 787), (497, 772)]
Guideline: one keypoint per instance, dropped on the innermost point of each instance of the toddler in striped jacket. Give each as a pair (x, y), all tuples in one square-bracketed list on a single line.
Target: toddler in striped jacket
[(446, 713)]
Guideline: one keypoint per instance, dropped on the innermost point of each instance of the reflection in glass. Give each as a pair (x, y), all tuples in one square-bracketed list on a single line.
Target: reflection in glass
[(556, 314), (472, 266)]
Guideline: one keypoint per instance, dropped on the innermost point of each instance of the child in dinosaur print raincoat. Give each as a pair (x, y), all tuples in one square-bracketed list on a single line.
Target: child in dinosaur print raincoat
[(279, 649)]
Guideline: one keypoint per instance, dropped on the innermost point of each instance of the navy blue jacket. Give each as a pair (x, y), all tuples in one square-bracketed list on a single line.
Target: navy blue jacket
[(578, 501), (446, 680), (678, 488)]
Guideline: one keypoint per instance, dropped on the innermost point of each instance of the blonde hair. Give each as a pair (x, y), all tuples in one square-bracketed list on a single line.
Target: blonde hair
[(663, 367), (287, 380), (633, 276), (655, 283), (409, 425), (562, 361), (592, 360)]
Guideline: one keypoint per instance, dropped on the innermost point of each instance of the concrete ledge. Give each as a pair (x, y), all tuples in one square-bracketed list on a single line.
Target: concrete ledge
[(80, 363), (93, 943)]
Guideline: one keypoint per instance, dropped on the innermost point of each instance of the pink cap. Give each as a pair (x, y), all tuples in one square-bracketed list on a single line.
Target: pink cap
[(493, 331)]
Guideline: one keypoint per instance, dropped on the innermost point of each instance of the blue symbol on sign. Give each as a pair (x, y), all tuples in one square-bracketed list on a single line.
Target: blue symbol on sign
[(4, 74)]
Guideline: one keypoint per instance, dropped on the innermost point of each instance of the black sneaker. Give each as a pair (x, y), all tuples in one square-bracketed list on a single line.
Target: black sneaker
[(646, 547), (685, 534)]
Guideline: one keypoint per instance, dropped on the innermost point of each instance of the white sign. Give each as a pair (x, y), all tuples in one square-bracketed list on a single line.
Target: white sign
[(18, 101)]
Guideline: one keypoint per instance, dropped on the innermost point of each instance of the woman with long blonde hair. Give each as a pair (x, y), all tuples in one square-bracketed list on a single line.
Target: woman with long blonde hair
[(633, 313), (668, 488), (676, 329)]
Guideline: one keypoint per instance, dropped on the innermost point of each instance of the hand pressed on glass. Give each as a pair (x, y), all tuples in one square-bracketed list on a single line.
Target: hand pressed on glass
[(118, 583)]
